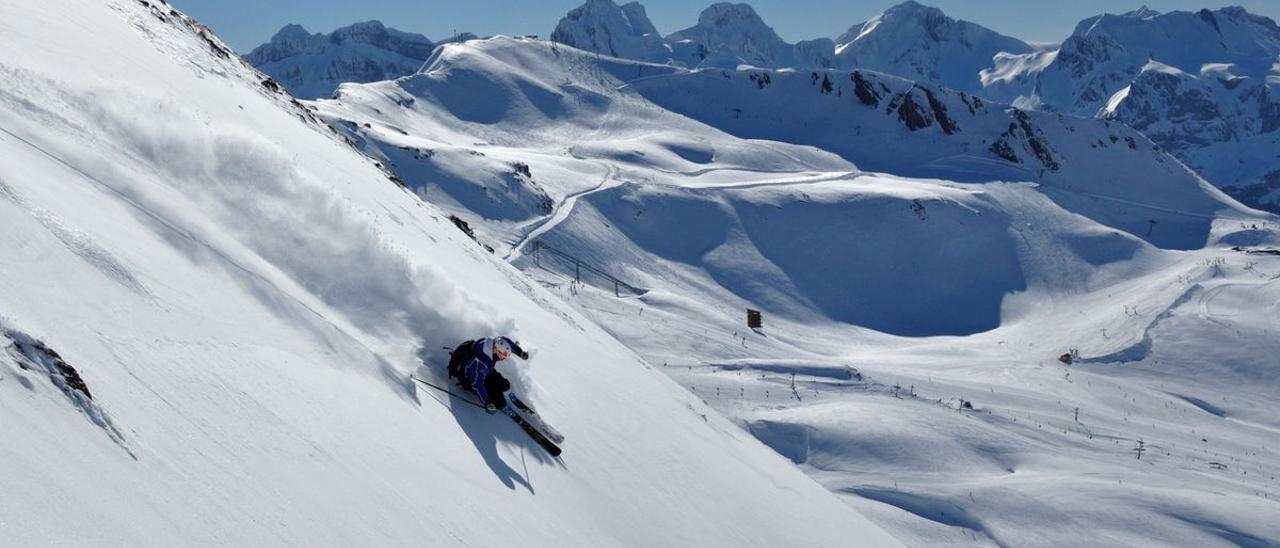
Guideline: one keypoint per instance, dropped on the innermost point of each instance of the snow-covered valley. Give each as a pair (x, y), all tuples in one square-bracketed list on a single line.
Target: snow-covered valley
[(981, 325)]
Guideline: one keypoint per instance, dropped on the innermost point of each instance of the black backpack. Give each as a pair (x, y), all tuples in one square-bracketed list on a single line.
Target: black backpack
[(459, 357)]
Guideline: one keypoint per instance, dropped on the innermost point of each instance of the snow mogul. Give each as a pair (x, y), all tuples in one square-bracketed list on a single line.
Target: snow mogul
[(474, 364)]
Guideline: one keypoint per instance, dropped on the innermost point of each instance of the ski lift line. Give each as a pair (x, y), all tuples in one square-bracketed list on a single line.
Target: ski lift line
[(538, 247), (187, 236), (1139, 204)]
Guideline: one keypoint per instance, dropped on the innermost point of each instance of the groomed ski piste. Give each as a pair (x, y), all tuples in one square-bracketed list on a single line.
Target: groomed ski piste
[(210, 306), (913, 327)]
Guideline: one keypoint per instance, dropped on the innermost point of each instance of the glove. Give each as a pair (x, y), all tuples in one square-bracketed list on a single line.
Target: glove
[(523, 354), (491, 409)]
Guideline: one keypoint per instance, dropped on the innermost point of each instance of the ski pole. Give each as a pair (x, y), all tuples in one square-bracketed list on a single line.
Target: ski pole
[(446, 391)]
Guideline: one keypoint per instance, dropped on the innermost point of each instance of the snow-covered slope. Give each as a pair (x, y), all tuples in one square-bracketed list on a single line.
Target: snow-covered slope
[(921, 43), (887, 300), (313, 65), (210, 306)]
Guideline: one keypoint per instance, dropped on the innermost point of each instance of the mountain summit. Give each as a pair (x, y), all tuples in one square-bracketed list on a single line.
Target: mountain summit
[(737, 28), (604, 27), (1106, 52), (726, 35), (922, 43)]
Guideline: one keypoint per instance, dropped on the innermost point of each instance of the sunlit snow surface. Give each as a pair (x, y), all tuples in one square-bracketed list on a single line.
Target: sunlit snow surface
[(245, 296)]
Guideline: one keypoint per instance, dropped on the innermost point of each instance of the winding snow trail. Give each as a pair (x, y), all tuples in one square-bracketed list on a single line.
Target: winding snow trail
[(562, 211), (611, 180)]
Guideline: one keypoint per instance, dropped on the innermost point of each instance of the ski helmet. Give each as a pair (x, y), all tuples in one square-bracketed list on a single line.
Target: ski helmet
[(501, 349)]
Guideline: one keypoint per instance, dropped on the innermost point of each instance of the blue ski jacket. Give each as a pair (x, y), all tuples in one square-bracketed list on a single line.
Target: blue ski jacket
[(481, 365)]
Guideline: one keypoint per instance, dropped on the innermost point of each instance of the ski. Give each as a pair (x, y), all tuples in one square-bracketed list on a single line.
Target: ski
[(534, 433), (537, 435), (535, 419)]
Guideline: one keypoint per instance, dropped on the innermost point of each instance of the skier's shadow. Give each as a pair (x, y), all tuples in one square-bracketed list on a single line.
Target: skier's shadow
[(485, 431)]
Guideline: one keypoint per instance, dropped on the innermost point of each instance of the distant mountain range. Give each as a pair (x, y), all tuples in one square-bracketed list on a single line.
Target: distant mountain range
[(1203, 85), (313, 65)]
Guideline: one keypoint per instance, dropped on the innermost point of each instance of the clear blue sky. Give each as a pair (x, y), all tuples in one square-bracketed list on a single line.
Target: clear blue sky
[(247, 23)]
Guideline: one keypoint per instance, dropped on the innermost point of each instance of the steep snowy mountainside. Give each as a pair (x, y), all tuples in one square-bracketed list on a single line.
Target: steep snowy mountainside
[(1224, 126), (242, 298), (1107, 52), (1202, 85), (619, 31), (921, 43), (313, 65), (1102, 170)]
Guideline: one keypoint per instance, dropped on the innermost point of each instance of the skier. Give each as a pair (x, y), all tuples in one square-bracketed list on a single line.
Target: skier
[(475, 365)]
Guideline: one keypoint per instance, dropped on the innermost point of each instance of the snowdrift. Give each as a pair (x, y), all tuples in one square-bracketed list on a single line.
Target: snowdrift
[(242, 297)]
